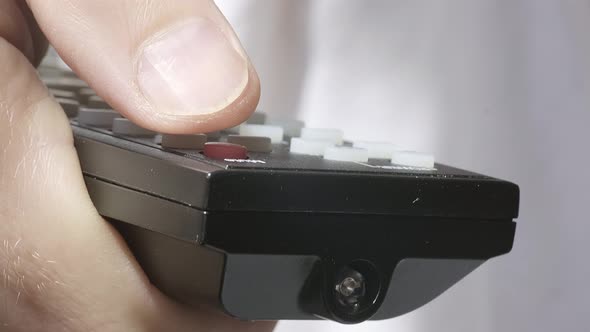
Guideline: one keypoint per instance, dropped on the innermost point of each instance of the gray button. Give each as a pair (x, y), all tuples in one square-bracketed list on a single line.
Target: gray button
[(291, 127), (45, 71), (122, 126), (193, 142), (57, 93), (65, 83), (257, 118), (84, 94), (70, 106), (214, 136), (97, 117), (97, 102), (252, 143), (232, 130)]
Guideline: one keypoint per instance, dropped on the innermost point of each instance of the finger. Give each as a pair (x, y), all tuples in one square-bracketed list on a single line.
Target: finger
[(171, 66), (64, 267)]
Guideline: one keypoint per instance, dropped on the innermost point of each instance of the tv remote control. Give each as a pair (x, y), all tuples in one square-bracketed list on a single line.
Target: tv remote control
[(273, 220)]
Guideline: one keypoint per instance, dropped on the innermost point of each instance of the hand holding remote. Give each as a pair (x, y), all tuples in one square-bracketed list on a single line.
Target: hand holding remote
[(64, 267)]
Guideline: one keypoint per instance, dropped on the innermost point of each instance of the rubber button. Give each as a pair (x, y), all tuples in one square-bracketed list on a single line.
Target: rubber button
[(64, 83), (70, 106), (84, 94), (346, 153), (291, 127), (97, 102), (222, 150), (57, 93), (413, 158), (322, 134), (193, 142), (252, 143), (122, 126), (257, 118), (97, 117), (377, 150), (214, 136), (308, 147), (232, 130), (275, 133)]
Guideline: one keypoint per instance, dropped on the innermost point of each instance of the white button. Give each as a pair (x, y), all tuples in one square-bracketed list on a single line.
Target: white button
[(275, 133), (322, 134), (345, 153), (412, 158), (291, 127), (309, 147), (379, 150)]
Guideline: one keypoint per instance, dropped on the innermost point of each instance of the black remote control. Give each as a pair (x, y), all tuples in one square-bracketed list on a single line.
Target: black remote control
[(272, 220)]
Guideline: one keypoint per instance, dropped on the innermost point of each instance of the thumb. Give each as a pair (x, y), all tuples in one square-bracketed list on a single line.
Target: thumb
[(53, 240), (170, 66), (63, 267)]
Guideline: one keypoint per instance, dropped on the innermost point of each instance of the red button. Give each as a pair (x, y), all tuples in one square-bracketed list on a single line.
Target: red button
[(222, 150)]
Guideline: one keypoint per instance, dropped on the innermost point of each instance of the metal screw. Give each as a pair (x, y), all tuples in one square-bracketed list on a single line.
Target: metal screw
[(348, 286)]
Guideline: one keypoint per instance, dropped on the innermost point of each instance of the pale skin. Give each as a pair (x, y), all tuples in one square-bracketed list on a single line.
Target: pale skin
[(64, 268)]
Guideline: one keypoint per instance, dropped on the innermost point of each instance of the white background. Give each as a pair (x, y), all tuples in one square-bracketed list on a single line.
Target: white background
[(498, 87)]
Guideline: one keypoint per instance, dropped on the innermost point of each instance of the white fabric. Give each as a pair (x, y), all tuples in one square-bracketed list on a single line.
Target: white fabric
[(499, 87)]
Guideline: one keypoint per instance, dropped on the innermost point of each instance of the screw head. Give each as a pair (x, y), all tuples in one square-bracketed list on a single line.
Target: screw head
[(348, 286), (351, 289)]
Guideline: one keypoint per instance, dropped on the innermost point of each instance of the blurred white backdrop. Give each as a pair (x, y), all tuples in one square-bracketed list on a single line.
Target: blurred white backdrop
[(499, 87)]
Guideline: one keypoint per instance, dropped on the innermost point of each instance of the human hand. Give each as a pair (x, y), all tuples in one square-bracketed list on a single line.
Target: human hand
[(171, 66)]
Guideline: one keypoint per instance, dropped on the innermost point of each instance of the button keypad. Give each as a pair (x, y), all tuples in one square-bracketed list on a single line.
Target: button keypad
[(97, 102), (57, 93), (190, 142), (222, 150), (275, 133), (291, 127), (377, 150), (252, 143), (257, 118), (69, 106), (122, 126), (102, 118), (413, 159), (346, 153), (257, 134), (322, 134), (309, 147)]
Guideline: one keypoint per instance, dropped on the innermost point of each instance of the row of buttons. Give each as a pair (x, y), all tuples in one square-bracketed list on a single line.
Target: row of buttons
[(256, 135), (361, 152)]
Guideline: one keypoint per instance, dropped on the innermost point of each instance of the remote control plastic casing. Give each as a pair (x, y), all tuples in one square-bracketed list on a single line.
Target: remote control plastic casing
[(279, 235)]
